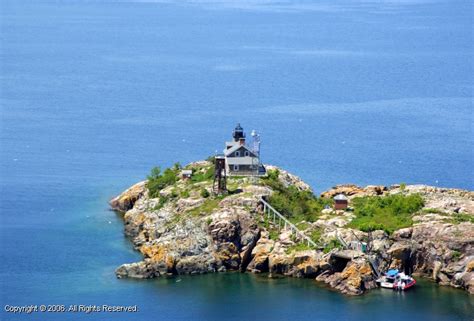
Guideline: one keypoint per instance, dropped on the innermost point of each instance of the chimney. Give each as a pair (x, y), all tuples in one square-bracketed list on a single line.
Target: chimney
[(242, 141)]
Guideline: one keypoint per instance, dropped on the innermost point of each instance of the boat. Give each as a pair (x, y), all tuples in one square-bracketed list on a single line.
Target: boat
[(388, 279), (403, 282), (396, 280)]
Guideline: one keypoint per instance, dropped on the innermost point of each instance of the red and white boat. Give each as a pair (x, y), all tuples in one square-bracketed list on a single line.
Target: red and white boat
[(393, 279), (403, 282)]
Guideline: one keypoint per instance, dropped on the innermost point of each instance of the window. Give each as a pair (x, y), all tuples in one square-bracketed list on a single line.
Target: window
[(236, 168), (237, 154), (247, 153)]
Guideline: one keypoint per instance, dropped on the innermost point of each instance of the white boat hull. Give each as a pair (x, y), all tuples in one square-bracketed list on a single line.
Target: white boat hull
[(386, 285)]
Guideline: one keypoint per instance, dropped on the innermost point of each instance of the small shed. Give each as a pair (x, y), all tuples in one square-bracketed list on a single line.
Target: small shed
[(186, 173), (340, 202)]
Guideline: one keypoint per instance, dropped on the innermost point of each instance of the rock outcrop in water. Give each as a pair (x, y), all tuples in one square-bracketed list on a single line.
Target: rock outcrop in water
[(188, 233)]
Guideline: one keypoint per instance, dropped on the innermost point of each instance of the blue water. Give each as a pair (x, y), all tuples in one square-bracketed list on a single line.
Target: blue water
[(95, 93)]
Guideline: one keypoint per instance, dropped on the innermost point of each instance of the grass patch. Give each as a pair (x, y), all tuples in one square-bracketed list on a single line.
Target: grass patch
[(388, 213), (202, 174), (273, 234), (302, 225), (232, 185), (433, 211), (455, 218), (316, 235), (303, 246), (461, 218), (205, 208)]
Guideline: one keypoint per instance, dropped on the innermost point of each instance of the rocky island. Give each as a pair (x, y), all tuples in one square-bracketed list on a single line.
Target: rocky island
[(181, 227)]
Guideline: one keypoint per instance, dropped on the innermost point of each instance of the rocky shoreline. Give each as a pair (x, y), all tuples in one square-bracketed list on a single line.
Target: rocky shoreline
[(193, 234)]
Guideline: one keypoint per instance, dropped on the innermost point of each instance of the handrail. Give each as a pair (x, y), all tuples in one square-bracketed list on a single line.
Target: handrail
[(292, 226), (341, 240)]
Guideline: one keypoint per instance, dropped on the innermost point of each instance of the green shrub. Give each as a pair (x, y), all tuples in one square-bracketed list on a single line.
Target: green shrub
[(204, 193), (185, 193), (456, 254), (388, 213), (177, 167), (157, 180), (273, 174), (295, 204)]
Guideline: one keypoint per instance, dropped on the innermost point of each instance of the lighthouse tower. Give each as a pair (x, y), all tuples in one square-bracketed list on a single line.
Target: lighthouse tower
[(238, 133)]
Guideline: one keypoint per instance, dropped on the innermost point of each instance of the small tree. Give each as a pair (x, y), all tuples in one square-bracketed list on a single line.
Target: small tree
[(155, 173), (177, 167)]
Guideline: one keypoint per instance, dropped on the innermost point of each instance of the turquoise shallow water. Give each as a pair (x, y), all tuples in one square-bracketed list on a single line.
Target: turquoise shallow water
[(95, 93)]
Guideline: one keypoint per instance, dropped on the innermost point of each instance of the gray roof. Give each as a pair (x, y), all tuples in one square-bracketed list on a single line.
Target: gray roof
[(229, 151), (340, 197), (187, 172)]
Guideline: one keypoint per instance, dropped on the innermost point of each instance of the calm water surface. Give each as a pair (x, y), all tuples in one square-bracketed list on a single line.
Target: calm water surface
[(95, 93)]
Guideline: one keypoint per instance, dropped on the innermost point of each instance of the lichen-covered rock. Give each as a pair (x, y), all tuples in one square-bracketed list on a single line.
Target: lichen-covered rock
[(353, 280), (306, 264), (197, 264), (145, 269), (260, 254), (127, 199), (352, 190)]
